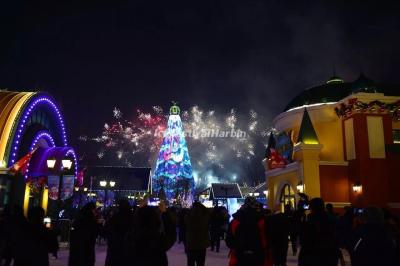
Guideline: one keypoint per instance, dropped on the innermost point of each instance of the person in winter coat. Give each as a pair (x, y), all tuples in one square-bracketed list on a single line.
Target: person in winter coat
[(181, 226), (374, 245), (197, 238), (116, 230), (279, 228), (393, 224), (18, 243), (40, 236), (216, 228), (297, 220), (153, 234), (345, 232), (317, 238), (84, 232), (5, 218), (247, 237)]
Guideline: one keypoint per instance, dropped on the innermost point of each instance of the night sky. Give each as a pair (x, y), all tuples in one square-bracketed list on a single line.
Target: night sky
[(94, 55)]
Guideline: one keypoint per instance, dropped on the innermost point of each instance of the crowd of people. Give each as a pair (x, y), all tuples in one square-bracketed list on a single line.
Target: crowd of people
[(256, 236), (142, 235), (25, 241)]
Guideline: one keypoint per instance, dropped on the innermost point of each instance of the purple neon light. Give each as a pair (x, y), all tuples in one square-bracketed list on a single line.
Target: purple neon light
[(72, 152), (28, 111), (42, 135)]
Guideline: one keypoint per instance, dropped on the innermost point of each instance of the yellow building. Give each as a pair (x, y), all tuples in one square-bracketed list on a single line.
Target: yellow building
[(344, 145)]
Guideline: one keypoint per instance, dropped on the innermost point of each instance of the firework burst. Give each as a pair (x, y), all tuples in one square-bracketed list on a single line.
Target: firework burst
[(137, 141)]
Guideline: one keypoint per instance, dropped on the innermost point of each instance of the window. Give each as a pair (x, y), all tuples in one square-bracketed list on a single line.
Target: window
[(376, 138), (287, 196), (349, 138)]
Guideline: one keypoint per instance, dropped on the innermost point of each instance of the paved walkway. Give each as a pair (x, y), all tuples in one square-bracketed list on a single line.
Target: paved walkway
[(176, 257)]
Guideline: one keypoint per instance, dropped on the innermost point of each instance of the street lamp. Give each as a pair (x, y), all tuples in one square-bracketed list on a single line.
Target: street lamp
[(104, 184), (51, 162), (357, 187), (66, 164), (80, 191)]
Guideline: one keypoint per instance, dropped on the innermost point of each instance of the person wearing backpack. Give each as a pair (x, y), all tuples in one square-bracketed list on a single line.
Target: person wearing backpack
[(246, 237)]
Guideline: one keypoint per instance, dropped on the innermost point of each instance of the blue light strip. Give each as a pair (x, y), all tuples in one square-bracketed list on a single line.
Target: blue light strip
[(34, 104), (42, 135)]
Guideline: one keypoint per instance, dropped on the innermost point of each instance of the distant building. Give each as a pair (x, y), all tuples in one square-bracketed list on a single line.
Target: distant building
[(339, 141), (109, 183)]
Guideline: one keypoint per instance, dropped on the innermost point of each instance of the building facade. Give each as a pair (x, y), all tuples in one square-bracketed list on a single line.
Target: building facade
[(33, 134), (343, 145)]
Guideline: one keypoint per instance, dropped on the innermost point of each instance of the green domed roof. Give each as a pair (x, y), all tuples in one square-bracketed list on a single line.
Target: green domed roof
[(336, 89), (335, 79), (332, 91)]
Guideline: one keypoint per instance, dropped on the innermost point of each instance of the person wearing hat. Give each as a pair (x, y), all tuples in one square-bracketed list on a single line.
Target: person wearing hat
[(247, 236)]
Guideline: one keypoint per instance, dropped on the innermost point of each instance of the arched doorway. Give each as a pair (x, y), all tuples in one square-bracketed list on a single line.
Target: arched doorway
[(288, 196)]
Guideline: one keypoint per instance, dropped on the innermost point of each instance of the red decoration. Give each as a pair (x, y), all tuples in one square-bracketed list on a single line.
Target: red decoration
[(276, 160), (22, 165), (354, 105)]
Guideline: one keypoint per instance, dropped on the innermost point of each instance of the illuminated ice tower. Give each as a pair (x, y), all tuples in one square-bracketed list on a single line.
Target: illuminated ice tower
[(173, 177)]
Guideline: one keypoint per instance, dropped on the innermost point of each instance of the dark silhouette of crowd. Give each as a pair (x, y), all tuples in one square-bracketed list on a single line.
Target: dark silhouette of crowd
[(142, 235), (370, 236), (25, 241)]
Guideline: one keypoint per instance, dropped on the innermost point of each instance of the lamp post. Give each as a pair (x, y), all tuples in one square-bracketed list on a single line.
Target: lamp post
[(80, 191), (66, 165), (106, 185)]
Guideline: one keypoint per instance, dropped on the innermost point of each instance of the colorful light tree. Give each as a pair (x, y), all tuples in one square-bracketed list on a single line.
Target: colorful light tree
[(173, 177)]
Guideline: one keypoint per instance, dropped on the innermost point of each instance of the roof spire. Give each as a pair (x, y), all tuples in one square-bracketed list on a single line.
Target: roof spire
[(334, 78), (363, 84), (307, 133)]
